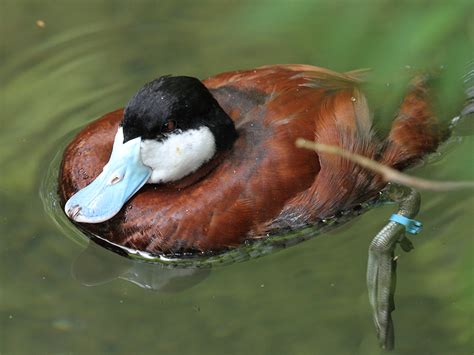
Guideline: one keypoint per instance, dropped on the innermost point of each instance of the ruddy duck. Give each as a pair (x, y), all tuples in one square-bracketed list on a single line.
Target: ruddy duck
[(203, 166)]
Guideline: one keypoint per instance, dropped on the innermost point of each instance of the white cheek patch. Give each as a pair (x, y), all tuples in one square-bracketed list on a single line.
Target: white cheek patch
[(178, 155)]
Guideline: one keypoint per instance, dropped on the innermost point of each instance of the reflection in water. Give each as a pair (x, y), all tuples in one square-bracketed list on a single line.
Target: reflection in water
[(97, 265)]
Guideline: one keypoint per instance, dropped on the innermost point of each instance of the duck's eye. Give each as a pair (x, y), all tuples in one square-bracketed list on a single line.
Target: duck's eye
[(169, 126)]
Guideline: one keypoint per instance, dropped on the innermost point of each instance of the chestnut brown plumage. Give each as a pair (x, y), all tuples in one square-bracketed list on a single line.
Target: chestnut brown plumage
[(263, 183)]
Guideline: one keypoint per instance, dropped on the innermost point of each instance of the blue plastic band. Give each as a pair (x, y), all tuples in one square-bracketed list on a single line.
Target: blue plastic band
[(412, 226)]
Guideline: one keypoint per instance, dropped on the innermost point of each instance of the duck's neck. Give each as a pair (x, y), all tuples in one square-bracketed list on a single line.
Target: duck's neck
[(223, 128)]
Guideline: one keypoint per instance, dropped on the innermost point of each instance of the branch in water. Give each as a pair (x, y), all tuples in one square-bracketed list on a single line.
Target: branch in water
[(388, 173)]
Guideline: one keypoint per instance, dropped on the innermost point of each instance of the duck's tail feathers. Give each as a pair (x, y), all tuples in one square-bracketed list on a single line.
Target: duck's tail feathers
[(416, 130)]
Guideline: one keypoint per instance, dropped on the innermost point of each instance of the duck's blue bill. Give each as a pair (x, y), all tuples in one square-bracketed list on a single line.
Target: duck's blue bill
[(121, 177)]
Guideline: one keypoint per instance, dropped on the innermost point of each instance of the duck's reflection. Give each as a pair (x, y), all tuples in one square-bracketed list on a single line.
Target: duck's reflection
[(97, 265)]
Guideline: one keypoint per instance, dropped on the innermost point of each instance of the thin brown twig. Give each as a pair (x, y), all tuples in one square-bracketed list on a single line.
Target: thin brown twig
[(388, 173)]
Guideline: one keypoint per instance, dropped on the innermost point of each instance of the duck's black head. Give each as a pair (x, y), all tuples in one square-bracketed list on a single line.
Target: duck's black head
[(176, 103), (171, 127)]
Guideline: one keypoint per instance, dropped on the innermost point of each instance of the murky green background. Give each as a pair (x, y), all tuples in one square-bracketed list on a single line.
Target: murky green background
[(310, 299)]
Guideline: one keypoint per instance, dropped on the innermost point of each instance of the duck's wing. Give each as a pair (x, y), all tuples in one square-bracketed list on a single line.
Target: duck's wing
[(286, 102)]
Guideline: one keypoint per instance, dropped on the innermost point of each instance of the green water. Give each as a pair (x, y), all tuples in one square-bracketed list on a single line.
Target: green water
[(91, 56)]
